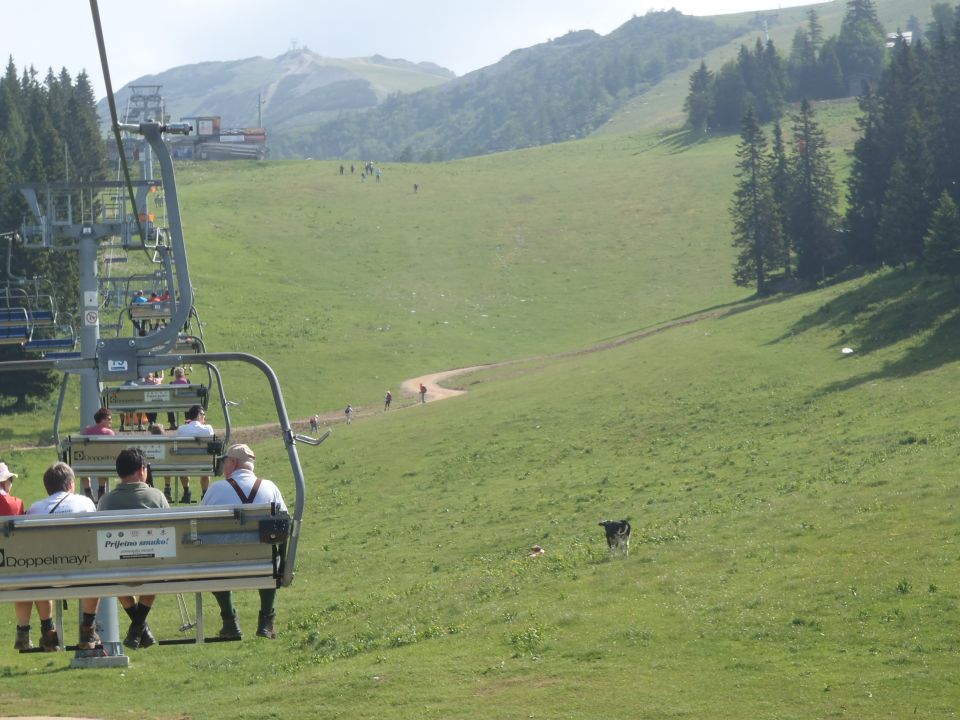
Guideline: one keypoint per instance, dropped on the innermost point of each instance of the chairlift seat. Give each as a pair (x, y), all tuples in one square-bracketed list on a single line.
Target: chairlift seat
[(42, 317), (43, 344), (150, 398), (150, 551), (188, 344), (13, 317), (169, 454), (153, 311), (16, 335)]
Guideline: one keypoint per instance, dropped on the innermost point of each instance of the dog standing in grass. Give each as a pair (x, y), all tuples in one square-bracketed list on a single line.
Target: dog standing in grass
[(618, 535)]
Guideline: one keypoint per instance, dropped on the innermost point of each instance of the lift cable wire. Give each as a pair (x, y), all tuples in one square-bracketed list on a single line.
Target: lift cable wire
[(94, 9)]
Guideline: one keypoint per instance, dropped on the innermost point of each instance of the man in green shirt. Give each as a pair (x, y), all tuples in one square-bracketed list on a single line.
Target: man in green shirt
[(134, 493)]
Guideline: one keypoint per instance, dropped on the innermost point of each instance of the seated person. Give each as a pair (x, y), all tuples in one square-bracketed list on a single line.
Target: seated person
[(194, 427), (133, 493), (59, 482), (102, 420)]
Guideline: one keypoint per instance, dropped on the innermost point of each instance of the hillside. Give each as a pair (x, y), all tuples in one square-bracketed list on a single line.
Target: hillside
[(794, 547), (793, 506), (296, 89), (635, 77)]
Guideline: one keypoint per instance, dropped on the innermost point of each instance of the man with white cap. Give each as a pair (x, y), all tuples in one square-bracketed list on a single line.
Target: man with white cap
[(241, 486)]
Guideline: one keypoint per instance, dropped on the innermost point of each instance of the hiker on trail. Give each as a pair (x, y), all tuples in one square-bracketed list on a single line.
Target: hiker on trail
[(314, 423), (387, 399), (349, 413), (341, 168), (378, 174), (423, 393)]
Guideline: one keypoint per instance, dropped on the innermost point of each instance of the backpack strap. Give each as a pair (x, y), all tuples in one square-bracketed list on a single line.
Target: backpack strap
[(245, 499)]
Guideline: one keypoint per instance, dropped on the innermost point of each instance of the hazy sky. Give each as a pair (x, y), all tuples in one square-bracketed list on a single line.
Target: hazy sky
[(147, 38)]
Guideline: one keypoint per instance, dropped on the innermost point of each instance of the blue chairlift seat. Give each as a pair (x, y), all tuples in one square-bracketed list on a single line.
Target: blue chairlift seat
[(13, 317), (42, 317), (16, 335), (44, 344)]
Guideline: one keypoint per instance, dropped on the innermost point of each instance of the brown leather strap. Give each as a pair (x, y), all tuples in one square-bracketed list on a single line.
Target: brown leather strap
[(245, 499)]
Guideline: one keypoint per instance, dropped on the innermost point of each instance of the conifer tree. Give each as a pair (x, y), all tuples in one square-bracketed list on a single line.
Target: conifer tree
[(860, 46), (700, 99), (779, 178), (908, 201), (942, 241), (811, 214), (756, 225)]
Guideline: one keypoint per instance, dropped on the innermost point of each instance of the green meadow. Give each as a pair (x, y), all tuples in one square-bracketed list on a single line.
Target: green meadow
[(794, 547)]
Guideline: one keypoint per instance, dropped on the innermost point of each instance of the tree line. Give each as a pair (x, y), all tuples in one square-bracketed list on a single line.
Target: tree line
[(904, 186), (552, 92), (816, 68), (49, 132)]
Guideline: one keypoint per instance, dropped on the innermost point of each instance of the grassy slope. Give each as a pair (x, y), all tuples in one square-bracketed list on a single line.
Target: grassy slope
[(795, 549)]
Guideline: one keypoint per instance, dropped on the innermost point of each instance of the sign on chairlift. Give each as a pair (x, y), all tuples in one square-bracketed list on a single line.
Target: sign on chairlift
[(136, 543)]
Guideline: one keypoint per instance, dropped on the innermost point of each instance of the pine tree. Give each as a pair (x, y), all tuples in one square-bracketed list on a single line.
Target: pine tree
[(942, 241), (699, 101), (811, 214), (779, 178), (908, 201), (756, 225), (860, 46)]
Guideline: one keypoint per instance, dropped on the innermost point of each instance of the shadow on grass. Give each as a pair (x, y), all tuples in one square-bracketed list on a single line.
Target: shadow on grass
[(682, 139), (889, 309)]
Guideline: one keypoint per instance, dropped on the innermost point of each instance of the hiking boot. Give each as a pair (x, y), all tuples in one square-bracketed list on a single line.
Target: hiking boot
[(230, 629), (23, 641), (186, 497), (146, 637), (265, 626), (167, 495), (134, 636), (49, 640), (88, 638)]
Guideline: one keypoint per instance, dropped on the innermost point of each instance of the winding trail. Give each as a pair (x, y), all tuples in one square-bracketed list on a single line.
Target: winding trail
[(409, 389)]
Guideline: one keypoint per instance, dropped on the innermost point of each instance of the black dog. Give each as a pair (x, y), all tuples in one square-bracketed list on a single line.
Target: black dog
[(618, 535)]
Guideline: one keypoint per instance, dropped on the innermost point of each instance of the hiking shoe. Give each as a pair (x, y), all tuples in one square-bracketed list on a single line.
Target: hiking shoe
[(186, 496), (49, 640), (167, 495), (146, 637), (88, 638), (134, 636), (23, 641), (230, 629), (265, 626)]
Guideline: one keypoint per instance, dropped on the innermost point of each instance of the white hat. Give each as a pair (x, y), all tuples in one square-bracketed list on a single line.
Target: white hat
[(5, 473)]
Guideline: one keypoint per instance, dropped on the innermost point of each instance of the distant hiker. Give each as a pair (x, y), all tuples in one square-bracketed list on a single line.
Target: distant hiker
[(341, 168), (349, 413), (363, 177), (351, 168), (314, 423), (378, 174), (415, 188), (387, 399), (423, 393)]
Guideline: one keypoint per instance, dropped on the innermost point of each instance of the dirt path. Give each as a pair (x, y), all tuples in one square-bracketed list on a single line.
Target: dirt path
[(409, 389)]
